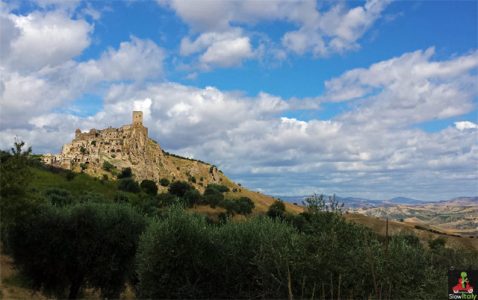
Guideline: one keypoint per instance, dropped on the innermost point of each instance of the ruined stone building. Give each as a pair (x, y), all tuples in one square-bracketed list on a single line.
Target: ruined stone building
[(127, 146)]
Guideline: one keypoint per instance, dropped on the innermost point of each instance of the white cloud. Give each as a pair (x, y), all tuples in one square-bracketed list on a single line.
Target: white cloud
[(223, 49), (134, 60), (45, 39), (38, 74), (318, 32), (464, 125), (408, 89)]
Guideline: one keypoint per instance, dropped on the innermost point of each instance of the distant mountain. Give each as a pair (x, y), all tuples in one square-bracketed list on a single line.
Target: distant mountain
[(404, 200), (349, 202), (461, 201), (357, 202)]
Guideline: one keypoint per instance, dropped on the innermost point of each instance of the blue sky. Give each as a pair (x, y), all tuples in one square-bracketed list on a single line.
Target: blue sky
[(359, 98)]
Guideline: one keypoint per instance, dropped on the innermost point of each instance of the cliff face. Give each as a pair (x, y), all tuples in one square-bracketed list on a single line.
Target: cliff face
[(129, 146)]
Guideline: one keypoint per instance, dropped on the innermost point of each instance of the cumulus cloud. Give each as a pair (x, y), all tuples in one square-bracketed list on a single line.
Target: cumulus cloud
[(134, 60), (408, 89), (221, 40), (43, 39), (464, 125), (223, 49), (38, 73)]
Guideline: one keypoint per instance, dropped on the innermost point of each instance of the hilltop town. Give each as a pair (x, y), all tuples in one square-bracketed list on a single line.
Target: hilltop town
[(129, 146)]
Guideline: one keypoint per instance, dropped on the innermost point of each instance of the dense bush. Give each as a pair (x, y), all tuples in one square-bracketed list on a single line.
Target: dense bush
[(243, 205), (213, 188), (58, 197), (181, 256), (192, 197), (149, 187), (107, 166), (128, 185), (173, 257), (125, 173), (213, 199), (276, 210), (166, 199), (179, 188), (64, 250), (164, 182)]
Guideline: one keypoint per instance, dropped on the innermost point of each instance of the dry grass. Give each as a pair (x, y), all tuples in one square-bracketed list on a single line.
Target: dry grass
[(378, 226)]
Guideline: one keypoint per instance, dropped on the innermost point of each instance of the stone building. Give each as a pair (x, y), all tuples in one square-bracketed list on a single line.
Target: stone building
[(127, 146)]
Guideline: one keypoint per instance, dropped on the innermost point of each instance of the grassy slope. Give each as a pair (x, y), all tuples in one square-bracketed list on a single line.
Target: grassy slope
[(379, 225)]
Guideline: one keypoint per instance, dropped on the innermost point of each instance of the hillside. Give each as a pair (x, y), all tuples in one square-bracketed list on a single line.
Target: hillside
[(104, 153), (424, 232), (458, 216)]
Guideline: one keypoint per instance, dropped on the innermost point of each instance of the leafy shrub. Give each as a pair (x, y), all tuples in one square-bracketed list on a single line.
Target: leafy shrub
[(192, 197), (245, 206), (216, 188), (164, 182), (128, 185), (107, 166), (166, 199), (213, 199), (58, 197), (121, 198), (63, 250), (179, 188), (70, 175), (149, 187), (125, 173), (173, 257), (276, 210)]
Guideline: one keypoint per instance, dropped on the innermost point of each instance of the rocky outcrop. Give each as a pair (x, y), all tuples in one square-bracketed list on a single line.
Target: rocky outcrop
[(129, 146)]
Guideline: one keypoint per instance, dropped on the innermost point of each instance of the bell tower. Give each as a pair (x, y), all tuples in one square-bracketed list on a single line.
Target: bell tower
[(137, 118)]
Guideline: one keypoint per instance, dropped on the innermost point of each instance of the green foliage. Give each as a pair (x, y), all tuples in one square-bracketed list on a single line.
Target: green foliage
[(70, 175), (166, 199), (243, 205), (121, 197), (179, 188), (436, 244), (125, 173), (181, 256), (215, 188), (319, 203), (213, 199), (173, 256), (83, 166), (276, 210), (149, 187), (164, 182), (64, 250), (107, 166), (15, 179), (128, 184), (192, 197), (59, 197), (14, 171)]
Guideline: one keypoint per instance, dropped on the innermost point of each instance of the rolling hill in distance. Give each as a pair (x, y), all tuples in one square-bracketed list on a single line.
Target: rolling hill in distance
[(457, 216)]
